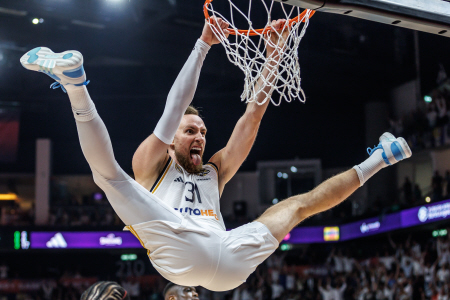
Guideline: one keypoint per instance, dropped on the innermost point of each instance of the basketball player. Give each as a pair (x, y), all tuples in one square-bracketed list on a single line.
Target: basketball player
[(178, 292), (173, 205), (105, 290)]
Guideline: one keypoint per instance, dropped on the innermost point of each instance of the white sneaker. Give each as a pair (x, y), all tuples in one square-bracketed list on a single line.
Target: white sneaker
[(66, 68), (394, 149)]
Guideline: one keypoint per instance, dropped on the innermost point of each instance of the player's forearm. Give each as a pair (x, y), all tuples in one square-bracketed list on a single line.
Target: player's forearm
[(181, 93)]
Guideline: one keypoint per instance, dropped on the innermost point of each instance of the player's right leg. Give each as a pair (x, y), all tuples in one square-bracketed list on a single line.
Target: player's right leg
[(281, 218), (67, 69), (130, 201)]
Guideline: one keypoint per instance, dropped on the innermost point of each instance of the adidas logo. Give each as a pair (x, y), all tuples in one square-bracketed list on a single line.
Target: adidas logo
[(57, 241), (179, 179)]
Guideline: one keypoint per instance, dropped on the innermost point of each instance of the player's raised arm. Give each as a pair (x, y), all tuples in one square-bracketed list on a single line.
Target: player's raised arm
[(230, 158), (151, 155)]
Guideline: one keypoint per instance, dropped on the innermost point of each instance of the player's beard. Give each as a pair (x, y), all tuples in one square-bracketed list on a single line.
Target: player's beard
[(187, 164)]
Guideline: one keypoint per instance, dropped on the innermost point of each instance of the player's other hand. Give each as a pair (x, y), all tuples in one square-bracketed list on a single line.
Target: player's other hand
[(277, 37), (219, 26)]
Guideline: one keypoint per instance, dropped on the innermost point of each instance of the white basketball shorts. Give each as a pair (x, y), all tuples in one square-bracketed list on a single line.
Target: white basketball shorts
[(191, 254)]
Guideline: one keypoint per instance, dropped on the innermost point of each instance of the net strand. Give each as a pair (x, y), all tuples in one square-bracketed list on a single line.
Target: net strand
[(248, 53)]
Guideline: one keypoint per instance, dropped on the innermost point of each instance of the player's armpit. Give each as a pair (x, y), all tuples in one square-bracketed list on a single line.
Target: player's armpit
[(216, 159), (149, 160)]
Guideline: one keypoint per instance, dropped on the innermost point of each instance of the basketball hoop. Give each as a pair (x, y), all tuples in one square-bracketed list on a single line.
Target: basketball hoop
[(248, 47)]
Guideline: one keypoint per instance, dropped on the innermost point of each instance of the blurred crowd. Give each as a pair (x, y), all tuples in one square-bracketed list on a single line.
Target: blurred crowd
[(375, 268), (390, 271), (426, 126)]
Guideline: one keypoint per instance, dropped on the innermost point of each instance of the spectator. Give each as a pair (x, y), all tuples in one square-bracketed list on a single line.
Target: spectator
[(436, 184), (417, 193), (327, 293), (407, 191), (277, 290), (447, 184)]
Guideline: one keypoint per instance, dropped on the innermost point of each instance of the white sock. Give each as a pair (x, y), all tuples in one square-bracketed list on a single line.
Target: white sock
[(82, 106), (370, 166)]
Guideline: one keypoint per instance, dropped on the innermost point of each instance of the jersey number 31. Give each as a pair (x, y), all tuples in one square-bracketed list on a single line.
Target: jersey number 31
[(191, 189)]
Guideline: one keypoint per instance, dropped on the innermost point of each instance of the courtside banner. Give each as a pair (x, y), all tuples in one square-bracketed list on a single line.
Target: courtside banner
[(370, 226), (80, 240), (434, 212), (306, 235)]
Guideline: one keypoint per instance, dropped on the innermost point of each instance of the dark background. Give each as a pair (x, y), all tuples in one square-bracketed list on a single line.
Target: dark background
[(133, 61)]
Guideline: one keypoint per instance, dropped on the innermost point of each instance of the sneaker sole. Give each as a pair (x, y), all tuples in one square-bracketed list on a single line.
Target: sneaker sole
[(405, 147), (41, 59)]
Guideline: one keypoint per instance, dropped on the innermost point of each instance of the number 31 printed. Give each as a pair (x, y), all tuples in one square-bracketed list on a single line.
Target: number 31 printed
[(191, 190)]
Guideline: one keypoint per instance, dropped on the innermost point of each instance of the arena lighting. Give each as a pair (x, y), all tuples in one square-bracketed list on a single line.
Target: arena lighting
[(427, 99), (279, 174), (21, 240), (285, 175), (293, 169), (128, 257), (275, 201), (14, 12), (35, 21), (88, 24), (8, 196), (439, 232), (427, 199), (285, 247)]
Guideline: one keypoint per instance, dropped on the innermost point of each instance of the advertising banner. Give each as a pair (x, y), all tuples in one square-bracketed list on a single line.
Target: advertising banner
[(426, 214), (79, 240)]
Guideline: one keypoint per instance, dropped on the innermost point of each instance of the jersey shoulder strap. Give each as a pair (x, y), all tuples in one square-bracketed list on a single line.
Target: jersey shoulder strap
[(161, 175), (213, 165)]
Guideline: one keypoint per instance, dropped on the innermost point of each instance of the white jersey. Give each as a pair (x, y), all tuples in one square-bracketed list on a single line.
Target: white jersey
[(196, 195)]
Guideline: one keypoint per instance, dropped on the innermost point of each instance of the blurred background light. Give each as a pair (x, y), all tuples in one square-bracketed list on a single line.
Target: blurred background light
[(8, 196), (285, 247)]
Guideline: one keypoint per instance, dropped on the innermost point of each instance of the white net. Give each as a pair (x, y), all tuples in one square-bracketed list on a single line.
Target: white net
[(247, 49)]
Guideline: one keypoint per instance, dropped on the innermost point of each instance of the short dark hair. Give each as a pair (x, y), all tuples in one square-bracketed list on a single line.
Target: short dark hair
[(105, 290), (190, 110), (167, 288)]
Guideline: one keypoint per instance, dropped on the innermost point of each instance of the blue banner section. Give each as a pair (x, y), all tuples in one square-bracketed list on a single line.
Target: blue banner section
[(419, 215), (434, 212)]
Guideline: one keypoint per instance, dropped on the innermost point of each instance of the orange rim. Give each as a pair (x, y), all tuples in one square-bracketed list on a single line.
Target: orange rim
[(257, 31)]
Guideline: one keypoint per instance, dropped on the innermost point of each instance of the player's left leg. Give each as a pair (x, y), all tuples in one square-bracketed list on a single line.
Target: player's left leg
[(281, 218)]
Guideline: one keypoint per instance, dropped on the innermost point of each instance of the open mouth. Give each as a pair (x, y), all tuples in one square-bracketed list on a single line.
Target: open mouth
[(196, 150), (195, 155)]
